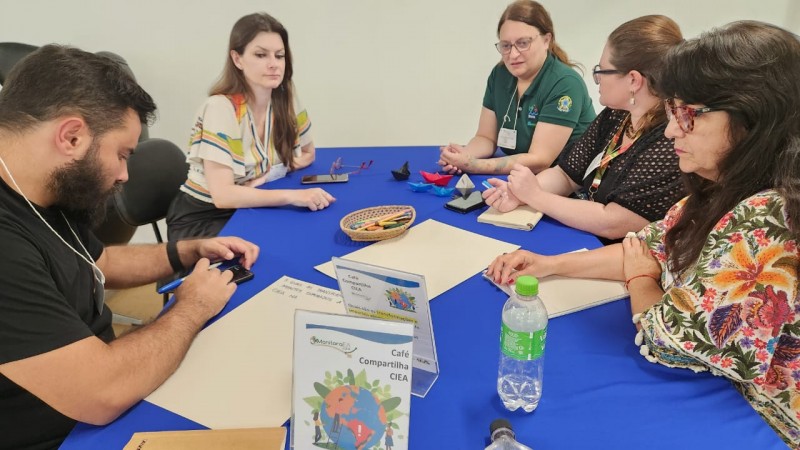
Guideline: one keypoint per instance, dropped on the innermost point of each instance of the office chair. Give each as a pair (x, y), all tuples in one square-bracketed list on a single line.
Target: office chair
[(10, 54), (156, 171)]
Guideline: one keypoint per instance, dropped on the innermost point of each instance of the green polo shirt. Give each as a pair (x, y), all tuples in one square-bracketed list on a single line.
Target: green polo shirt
[(557, 95)]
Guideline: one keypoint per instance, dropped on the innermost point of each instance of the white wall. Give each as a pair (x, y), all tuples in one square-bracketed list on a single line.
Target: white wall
[(370, 72)]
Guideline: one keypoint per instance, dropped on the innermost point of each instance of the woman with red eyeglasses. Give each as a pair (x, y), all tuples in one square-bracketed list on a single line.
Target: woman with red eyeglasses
[(623, 170), (713, 285)]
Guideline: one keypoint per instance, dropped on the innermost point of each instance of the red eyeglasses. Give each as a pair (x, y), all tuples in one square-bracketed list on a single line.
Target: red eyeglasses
[(337, 165), (684, 114)]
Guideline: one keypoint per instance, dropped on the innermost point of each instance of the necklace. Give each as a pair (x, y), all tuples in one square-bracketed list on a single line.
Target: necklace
[(630, 132)]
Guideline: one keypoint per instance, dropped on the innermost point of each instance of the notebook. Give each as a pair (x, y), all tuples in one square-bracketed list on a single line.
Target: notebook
[(237, 439), (522, 218), (563, 295)]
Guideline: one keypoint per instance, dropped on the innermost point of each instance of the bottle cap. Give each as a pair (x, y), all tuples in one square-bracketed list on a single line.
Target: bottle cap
[(498, 424), (500, 427), (527, 285)]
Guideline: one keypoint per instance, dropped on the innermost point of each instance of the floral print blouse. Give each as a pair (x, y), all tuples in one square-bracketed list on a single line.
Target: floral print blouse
[(735, 312)]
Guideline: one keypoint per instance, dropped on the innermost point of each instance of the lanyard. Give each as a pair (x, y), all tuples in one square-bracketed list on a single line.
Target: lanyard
[(268, 156), (510, 101), (612, 151), (99, 292)]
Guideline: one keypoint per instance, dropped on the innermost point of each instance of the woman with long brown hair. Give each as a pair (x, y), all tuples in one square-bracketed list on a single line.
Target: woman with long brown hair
[(535, 102), (251, 130), (713, 286), (623, 168)]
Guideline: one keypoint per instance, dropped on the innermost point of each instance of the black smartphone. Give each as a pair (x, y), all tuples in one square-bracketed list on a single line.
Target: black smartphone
[(315, 179), (240, 274)]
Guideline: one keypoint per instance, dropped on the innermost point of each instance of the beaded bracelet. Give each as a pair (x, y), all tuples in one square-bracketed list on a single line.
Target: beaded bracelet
[(639, 276)]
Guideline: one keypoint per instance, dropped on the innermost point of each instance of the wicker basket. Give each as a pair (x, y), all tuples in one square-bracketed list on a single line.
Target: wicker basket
[(374, 213)]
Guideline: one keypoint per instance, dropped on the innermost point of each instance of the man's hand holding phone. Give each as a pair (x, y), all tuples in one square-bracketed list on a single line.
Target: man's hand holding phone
[(240, 274), (206, 289)]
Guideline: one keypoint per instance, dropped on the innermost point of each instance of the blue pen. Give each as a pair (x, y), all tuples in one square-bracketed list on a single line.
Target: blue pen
[(486, 184), (172, 285)]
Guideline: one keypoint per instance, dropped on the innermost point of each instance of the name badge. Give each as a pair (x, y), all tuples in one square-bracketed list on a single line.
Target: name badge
[(594, 164), (507, 138), (276, 172)]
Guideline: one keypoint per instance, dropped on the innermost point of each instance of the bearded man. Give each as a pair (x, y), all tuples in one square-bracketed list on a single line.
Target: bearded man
[(69, 121)]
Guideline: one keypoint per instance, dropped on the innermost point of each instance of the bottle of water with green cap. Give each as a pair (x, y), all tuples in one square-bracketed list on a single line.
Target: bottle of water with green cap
[(522, 338)]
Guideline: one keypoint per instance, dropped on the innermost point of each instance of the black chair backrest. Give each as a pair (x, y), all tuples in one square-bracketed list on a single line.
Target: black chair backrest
[(156, 171), (10, 54)]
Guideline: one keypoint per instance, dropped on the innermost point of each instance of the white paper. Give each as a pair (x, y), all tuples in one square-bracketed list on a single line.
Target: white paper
[(238, 371), (445, 255)]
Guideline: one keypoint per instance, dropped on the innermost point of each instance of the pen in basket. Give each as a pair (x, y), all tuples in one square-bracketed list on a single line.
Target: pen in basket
[(364, 224)]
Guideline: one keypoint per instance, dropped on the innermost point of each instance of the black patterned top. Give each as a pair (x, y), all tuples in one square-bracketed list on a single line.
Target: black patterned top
[(645, 179)]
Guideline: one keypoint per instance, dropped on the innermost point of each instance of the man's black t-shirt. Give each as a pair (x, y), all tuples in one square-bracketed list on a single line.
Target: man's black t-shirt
[(46, 302)]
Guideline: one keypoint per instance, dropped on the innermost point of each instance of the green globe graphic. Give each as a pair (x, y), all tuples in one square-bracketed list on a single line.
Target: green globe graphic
[(353, 417)]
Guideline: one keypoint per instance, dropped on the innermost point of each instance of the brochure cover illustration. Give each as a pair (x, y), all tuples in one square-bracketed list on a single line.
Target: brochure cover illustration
[(352, 383)]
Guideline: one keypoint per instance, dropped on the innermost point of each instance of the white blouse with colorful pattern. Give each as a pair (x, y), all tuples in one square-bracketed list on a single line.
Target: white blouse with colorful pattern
[(736, 312), (224, 133)]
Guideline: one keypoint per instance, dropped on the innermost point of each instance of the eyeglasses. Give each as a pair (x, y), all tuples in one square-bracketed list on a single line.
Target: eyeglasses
[(684, 114), (522, 44), (337, 165), (597, 71)]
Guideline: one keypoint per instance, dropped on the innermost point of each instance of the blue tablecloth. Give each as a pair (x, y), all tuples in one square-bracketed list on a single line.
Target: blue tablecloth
[(598, 392)]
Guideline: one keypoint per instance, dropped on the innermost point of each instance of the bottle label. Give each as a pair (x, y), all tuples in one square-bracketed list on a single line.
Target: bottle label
[(521, 345)]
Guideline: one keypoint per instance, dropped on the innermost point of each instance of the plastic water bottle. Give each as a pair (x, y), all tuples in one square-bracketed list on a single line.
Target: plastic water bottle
[(522, 339), (503, 437)]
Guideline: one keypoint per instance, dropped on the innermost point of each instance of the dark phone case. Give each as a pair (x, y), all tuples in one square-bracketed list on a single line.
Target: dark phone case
[(240, 274), (309, 179), (464, 210)]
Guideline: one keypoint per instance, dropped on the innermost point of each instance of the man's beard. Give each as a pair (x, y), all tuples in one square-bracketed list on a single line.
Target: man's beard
[(78, 188)]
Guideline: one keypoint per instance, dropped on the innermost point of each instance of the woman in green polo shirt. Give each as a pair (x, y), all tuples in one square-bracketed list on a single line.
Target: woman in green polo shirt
[(535, 102), (624, 170)]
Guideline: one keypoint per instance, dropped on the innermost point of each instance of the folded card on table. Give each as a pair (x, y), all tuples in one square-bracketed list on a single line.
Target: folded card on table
[(522, 218)]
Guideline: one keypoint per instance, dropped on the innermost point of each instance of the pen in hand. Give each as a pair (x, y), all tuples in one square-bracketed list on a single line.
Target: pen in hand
[(172, 285)]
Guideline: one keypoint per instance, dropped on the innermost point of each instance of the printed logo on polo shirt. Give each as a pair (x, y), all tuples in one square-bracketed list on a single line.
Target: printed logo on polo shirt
[(533, 114), (565, 104)]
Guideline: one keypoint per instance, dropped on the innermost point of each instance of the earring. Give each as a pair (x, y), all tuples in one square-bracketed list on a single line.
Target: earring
[(633, 99)]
